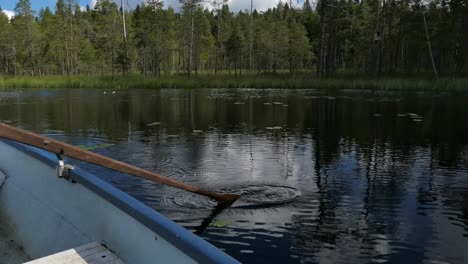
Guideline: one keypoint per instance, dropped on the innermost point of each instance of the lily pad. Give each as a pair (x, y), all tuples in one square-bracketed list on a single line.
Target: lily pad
[(413, 115), (239, 103), (220, 223), (154, 124), (197, 131), (273, 128), (99, 146)]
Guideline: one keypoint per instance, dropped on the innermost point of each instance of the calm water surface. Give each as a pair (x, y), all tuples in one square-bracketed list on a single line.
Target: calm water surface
[(383, 177)]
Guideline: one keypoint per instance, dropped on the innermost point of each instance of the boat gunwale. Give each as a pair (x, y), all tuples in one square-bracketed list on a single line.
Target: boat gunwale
[(187, 242)]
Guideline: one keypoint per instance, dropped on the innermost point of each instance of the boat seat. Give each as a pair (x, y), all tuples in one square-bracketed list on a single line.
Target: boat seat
[(90, 253)]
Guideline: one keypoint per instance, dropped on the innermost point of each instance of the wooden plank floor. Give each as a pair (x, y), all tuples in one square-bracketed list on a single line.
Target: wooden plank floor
[(92, 253)]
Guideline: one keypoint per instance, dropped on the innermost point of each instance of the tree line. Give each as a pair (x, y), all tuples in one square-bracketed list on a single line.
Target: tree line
[(323, 39)]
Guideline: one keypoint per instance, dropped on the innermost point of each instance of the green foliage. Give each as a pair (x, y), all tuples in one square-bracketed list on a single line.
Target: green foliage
[(220, 223), (161, 42), (224, 80), (5, 44)]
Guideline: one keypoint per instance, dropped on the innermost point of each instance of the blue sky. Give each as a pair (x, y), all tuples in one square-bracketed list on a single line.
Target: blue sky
[(36, 4), (233, 4)]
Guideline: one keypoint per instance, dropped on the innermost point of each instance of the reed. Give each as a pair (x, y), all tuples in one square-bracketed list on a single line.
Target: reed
[(229, 81)]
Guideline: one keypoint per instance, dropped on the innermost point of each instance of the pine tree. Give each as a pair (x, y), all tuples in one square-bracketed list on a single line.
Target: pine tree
[(5, 44), (189, 8), (381, 36), (25, 37)]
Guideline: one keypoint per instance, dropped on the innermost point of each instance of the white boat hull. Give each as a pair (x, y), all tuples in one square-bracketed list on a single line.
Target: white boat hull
[(48, 214)]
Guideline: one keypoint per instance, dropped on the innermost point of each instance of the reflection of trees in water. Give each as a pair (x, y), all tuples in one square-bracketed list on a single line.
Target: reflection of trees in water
[(394, 156), (388, 178), (312, 234), (447, 183), (327, 223), (391, 178), (444, 121), (427, 192), (385, 191), (464, 205)]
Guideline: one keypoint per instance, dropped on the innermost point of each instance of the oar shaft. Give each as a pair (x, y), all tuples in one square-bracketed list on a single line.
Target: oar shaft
[(58, 147)]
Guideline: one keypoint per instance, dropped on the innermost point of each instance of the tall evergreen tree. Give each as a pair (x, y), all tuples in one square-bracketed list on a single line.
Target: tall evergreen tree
[(384, 37), (5, 44), (26, 37)]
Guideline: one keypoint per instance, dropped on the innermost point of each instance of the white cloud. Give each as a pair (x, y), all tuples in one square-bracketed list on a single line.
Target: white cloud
[(237, 5), (127, 3), (9, 14), (234, 5), (259, 5)]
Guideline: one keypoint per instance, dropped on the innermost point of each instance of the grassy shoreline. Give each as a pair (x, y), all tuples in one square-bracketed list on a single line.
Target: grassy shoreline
[(226, 81)]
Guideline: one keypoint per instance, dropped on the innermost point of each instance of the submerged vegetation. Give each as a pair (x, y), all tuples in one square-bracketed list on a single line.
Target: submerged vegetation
[(308, 45)]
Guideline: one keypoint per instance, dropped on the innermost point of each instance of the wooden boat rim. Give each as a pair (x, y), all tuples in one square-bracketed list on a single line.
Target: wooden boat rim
[(187, 242)]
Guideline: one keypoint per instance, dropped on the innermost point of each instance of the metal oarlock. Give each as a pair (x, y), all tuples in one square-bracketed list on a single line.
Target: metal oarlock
[(63, 170)]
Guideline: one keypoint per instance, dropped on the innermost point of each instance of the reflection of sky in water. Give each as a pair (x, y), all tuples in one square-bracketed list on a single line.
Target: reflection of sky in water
[(376, 185)]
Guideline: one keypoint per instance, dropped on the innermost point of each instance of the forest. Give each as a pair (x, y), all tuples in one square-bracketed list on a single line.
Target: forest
[(324, 39)]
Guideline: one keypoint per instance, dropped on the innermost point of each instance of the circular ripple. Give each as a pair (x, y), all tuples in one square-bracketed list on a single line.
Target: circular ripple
[(191, 201), (266, 194), (252, 196)]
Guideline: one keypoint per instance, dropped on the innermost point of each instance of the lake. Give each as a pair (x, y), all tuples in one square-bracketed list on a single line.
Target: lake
[(369, 177)]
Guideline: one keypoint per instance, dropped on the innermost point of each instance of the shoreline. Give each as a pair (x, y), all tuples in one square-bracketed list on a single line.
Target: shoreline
[(225, 81)]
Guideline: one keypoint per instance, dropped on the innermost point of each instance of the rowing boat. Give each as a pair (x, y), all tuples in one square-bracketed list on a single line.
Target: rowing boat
[(51, 212)]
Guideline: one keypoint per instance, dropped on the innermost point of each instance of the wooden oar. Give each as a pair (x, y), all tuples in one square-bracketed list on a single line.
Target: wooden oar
[(57, 147)]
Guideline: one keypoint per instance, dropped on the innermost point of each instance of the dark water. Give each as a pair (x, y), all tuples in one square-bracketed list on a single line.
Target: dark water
[(382, 177)]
